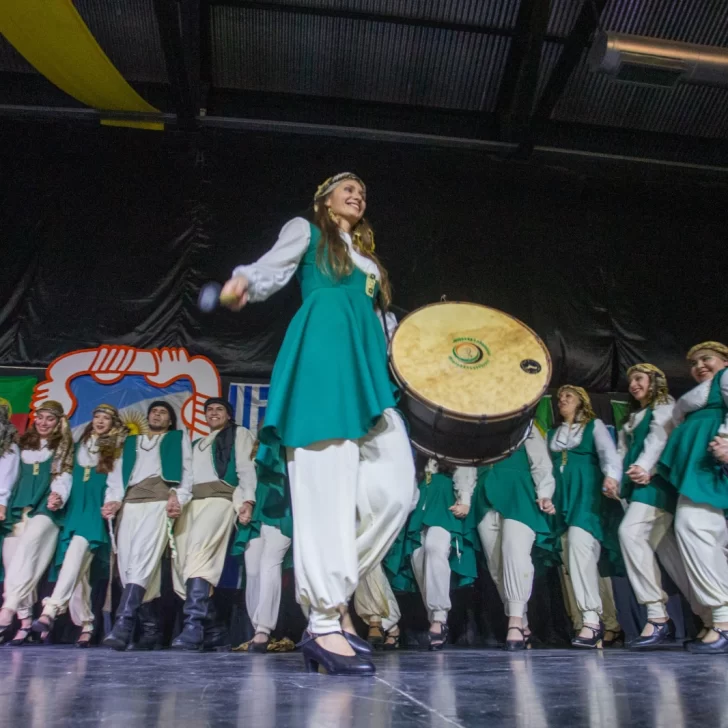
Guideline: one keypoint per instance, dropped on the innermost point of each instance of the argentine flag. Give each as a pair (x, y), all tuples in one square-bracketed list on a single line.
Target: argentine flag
[(132, 396)]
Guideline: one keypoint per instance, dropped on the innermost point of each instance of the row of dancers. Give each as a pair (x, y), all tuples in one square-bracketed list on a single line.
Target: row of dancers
[(334, 466)]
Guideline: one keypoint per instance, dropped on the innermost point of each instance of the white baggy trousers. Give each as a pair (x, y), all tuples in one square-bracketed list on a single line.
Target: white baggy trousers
[(332, 482)]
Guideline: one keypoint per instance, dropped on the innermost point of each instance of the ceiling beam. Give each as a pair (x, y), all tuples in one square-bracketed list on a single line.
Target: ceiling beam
[(580, 35), (344, 14), (520, 77), (179, 30)]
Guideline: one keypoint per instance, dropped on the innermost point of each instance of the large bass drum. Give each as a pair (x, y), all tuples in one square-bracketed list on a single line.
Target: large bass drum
[(471, 377)]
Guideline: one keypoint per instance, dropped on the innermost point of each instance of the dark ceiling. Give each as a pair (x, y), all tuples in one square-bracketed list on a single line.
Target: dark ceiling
[(504, 74)]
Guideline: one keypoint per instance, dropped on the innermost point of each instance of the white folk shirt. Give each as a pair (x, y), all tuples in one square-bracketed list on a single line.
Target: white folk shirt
[(60, 484), (203, 464), (276, 268), (697, 398), (660, 428), (541, 466), (148, 464), (9, 469), (87, 456), (568, 437)]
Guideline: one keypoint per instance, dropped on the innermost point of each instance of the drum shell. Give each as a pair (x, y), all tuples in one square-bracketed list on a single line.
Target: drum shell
[(463, 441)]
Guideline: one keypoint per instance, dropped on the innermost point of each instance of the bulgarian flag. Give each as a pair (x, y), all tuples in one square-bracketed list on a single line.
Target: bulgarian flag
[(16, 392)]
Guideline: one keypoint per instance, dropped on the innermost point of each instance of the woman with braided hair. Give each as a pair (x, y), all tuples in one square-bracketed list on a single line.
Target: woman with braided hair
[(646, 531), (587, 470), (695, 462), (33, 519), (85, 535), (331, 413)]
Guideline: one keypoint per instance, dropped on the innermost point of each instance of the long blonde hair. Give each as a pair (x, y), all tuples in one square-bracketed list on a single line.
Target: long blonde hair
[(332, 256)]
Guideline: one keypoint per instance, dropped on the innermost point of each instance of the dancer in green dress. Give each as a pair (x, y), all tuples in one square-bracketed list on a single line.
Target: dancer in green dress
[(512, 506), (331, 412), (588, 470), (441, 539), (646, 532), (85, 533), (34, 513), (693, 462)]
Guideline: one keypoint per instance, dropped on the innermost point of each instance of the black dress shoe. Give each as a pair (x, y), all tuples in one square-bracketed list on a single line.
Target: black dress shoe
[(437, 641), (259, 647), (594, 642), (663, 635), (719, 647), (317, 659), (360, 646), (517, 645)]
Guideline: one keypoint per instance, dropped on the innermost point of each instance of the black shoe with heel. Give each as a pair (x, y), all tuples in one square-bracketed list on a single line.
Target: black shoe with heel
[(517, 645), (360, 646), (663, 635), (594, 642), (260, 647), (318, 659), (438, 641), (719, 647)]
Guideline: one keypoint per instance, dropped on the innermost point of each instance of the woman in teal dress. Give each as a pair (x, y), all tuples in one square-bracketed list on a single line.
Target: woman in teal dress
[(587, 470), (646, 532), (331, 413), (694, 463), (85, 534), (513, 506), (34, 513), (439, 544), (265, 544)]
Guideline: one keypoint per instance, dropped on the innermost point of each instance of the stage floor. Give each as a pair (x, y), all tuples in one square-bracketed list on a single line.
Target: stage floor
[(61, 686)]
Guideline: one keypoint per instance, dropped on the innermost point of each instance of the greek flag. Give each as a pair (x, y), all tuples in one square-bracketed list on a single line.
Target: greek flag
[(249, 402)]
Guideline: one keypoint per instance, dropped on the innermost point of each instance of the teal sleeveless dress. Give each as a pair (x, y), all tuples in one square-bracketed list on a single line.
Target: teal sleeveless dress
[(433, 509), (83, 513), (579, 500), (330, 379), (658, 492), (686, 462), (272, 508), (508, 488)]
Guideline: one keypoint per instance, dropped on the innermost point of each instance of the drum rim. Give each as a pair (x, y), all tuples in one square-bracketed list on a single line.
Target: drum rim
[(402, 382)]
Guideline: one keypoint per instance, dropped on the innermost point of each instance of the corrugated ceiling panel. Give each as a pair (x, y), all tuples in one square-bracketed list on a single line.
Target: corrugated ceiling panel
[(690, 21), (687, 109), (563, 16), (277, 52), (550, 54), (496, 13), (11, 60), (127, 31)]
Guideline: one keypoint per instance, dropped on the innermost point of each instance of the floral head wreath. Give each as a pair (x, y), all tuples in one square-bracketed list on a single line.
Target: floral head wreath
[(587, 413), (659, 393), (328, 186), (716, 346)]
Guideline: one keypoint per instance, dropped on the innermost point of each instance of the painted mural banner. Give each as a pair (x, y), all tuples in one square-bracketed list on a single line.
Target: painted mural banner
[(130, 379)]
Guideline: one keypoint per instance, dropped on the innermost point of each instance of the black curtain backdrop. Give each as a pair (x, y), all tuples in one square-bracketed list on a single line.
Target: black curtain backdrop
[(107, 235)]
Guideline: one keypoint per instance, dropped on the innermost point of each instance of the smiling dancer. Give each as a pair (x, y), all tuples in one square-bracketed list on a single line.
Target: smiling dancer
[(331, 411), (693, 462)]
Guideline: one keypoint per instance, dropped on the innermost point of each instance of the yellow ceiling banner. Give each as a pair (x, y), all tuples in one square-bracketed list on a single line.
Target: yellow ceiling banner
[(53, 38)]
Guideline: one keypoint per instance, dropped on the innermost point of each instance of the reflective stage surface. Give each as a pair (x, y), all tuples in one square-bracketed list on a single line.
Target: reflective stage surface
[(60, 686)]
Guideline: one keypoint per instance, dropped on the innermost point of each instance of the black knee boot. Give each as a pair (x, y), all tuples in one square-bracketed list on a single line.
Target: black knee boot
[(217, 637), (196, 607), (123, 629), (151, 636)]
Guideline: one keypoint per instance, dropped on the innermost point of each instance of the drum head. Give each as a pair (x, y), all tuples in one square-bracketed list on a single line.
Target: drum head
[(470, 360)]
